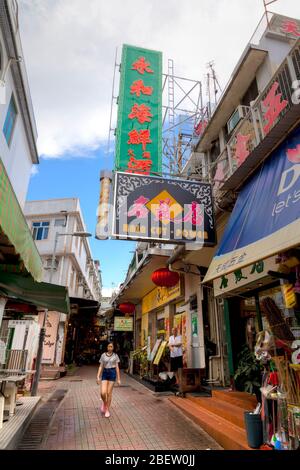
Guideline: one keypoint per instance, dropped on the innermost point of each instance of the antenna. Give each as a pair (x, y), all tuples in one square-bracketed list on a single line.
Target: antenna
[(266, 4), (112, 102)]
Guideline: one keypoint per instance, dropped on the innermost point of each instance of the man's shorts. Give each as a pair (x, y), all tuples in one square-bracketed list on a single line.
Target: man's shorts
[(176, 363)]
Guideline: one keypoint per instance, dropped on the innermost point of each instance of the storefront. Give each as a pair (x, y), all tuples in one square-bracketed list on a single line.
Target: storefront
[(256, 271), (160, 312)]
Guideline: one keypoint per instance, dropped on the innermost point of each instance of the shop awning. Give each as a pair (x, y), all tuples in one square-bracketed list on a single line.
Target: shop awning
[(16, 243), (266, 217), (80, 305), (41, 294)]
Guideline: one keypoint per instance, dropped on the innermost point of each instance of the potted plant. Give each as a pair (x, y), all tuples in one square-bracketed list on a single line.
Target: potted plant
[(248, 374)]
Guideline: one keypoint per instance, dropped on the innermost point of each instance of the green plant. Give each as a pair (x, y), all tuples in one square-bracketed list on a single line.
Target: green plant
[(140, 356), (248, 373)]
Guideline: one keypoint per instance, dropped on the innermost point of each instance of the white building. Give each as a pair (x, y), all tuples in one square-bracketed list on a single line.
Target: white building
[(18, 154), (18, 131), (74, 266)]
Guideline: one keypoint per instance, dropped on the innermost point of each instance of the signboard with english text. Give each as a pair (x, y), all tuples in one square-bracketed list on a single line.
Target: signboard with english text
[(150, 208)]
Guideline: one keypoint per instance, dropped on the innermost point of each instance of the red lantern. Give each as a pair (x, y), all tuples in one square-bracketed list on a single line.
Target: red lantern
[(163, 277), (126, 307)]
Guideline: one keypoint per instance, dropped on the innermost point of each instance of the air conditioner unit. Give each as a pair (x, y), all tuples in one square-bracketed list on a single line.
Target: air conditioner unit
[(235, 118), (47, 264)]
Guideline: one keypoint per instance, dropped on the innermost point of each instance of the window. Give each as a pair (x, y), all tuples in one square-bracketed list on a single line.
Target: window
[(60, 223), (48, 264), (40, 230), (10, 120), (251, 94), (215, 150)]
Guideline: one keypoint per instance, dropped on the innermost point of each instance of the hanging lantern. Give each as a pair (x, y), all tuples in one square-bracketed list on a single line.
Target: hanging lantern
[(163, 277), (126, 307)]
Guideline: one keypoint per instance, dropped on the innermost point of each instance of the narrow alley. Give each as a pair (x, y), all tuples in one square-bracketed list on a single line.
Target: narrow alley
[(139, 418)]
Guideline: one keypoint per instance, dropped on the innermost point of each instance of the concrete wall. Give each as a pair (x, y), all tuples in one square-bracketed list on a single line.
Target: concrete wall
[(277, 52)]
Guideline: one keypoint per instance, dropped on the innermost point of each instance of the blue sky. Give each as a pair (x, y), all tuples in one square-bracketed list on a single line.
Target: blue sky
[(79, 177)]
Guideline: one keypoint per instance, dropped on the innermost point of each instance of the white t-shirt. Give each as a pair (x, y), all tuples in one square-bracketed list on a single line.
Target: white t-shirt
[(109, 362), (177, 351)]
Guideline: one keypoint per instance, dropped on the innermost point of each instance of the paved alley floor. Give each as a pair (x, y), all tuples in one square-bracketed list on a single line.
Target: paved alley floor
[(139, 418)]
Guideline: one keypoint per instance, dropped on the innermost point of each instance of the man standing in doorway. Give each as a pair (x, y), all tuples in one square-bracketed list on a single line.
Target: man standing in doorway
[(175, 345)]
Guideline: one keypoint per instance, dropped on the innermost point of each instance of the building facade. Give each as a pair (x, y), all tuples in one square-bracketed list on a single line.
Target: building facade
[(18, 154), (73, 264), (258, 109), (67, 261), (256, 114), (17, 123)]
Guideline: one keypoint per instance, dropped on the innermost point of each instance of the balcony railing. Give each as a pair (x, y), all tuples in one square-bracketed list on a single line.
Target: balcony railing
[(266, 112)]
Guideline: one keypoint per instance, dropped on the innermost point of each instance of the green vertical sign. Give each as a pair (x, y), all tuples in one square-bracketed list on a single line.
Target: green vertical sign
[(139, 128)]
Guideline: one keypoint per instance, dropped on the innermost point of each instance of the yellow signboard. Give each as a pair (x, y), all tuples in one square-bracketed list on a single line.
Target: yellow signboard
[(289, 295), (160, 296), (160, 353)]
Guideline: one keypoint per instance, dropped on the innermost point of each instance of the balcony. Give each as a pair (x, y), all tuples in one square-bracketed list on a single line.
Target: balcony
[(264, 125)]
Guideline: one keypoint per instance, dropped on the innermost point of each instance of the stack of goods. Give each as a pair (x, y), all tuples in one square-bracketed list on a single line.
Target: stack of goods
[(277, 350), (276, 320)]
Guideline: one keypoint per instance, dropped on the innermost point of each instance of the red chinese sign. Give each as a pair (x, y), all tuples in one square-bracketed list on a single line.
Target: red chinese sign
[(241, 150), (138, 148), (291, 27), (274, 106)]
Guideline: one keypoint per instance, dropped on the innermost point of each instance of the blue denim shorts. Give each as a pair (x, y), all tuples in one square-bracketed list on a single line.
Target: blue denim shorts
[(109, 374)]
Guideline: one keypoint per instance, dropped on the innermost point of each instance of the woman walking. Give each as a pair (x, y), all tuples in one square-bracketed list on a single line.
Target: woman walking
[(109, 372)]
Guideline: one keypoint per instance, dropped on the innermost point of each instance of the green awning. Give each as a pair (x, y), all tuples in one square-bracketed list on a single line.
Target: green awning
[(14, 226), (41, 294)]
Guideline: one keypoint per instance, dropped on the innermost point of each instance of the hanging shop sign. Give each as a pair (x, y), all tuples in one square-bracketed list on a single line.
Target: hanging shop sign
[(50, 339), (123, 324), (289, 295), (139, 128), (285, 25), (161, 296), (265, 219), (244, 276), (160, 209), (103, 210)]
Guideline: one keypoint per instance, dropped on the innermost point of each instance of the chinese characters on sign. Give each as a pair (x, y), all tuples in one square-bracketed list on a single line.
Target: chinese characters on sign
[(241, 277), (153, 208), (241, 151), (285, 26), (274, 105), (138, 142), (291, 27)]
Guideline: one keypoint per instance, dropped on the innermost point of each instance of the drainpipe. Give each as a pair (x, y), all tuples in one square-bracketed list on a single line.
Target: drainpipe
[(179, 250)]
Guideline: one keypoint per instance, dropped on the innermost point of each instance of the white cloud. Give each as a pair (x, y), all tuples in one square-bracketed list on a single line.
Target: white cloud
[(107, 291), (34, 170), (69, 48)]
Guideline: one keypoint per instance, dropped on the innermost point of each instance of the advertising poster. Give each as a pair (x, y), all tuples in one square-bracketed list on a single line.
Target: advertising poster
[(160, 353)]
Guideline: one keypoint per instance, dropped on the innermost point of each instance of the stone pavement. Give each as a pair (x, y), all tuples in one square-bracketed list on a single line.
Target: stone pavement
[(139, 418)]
